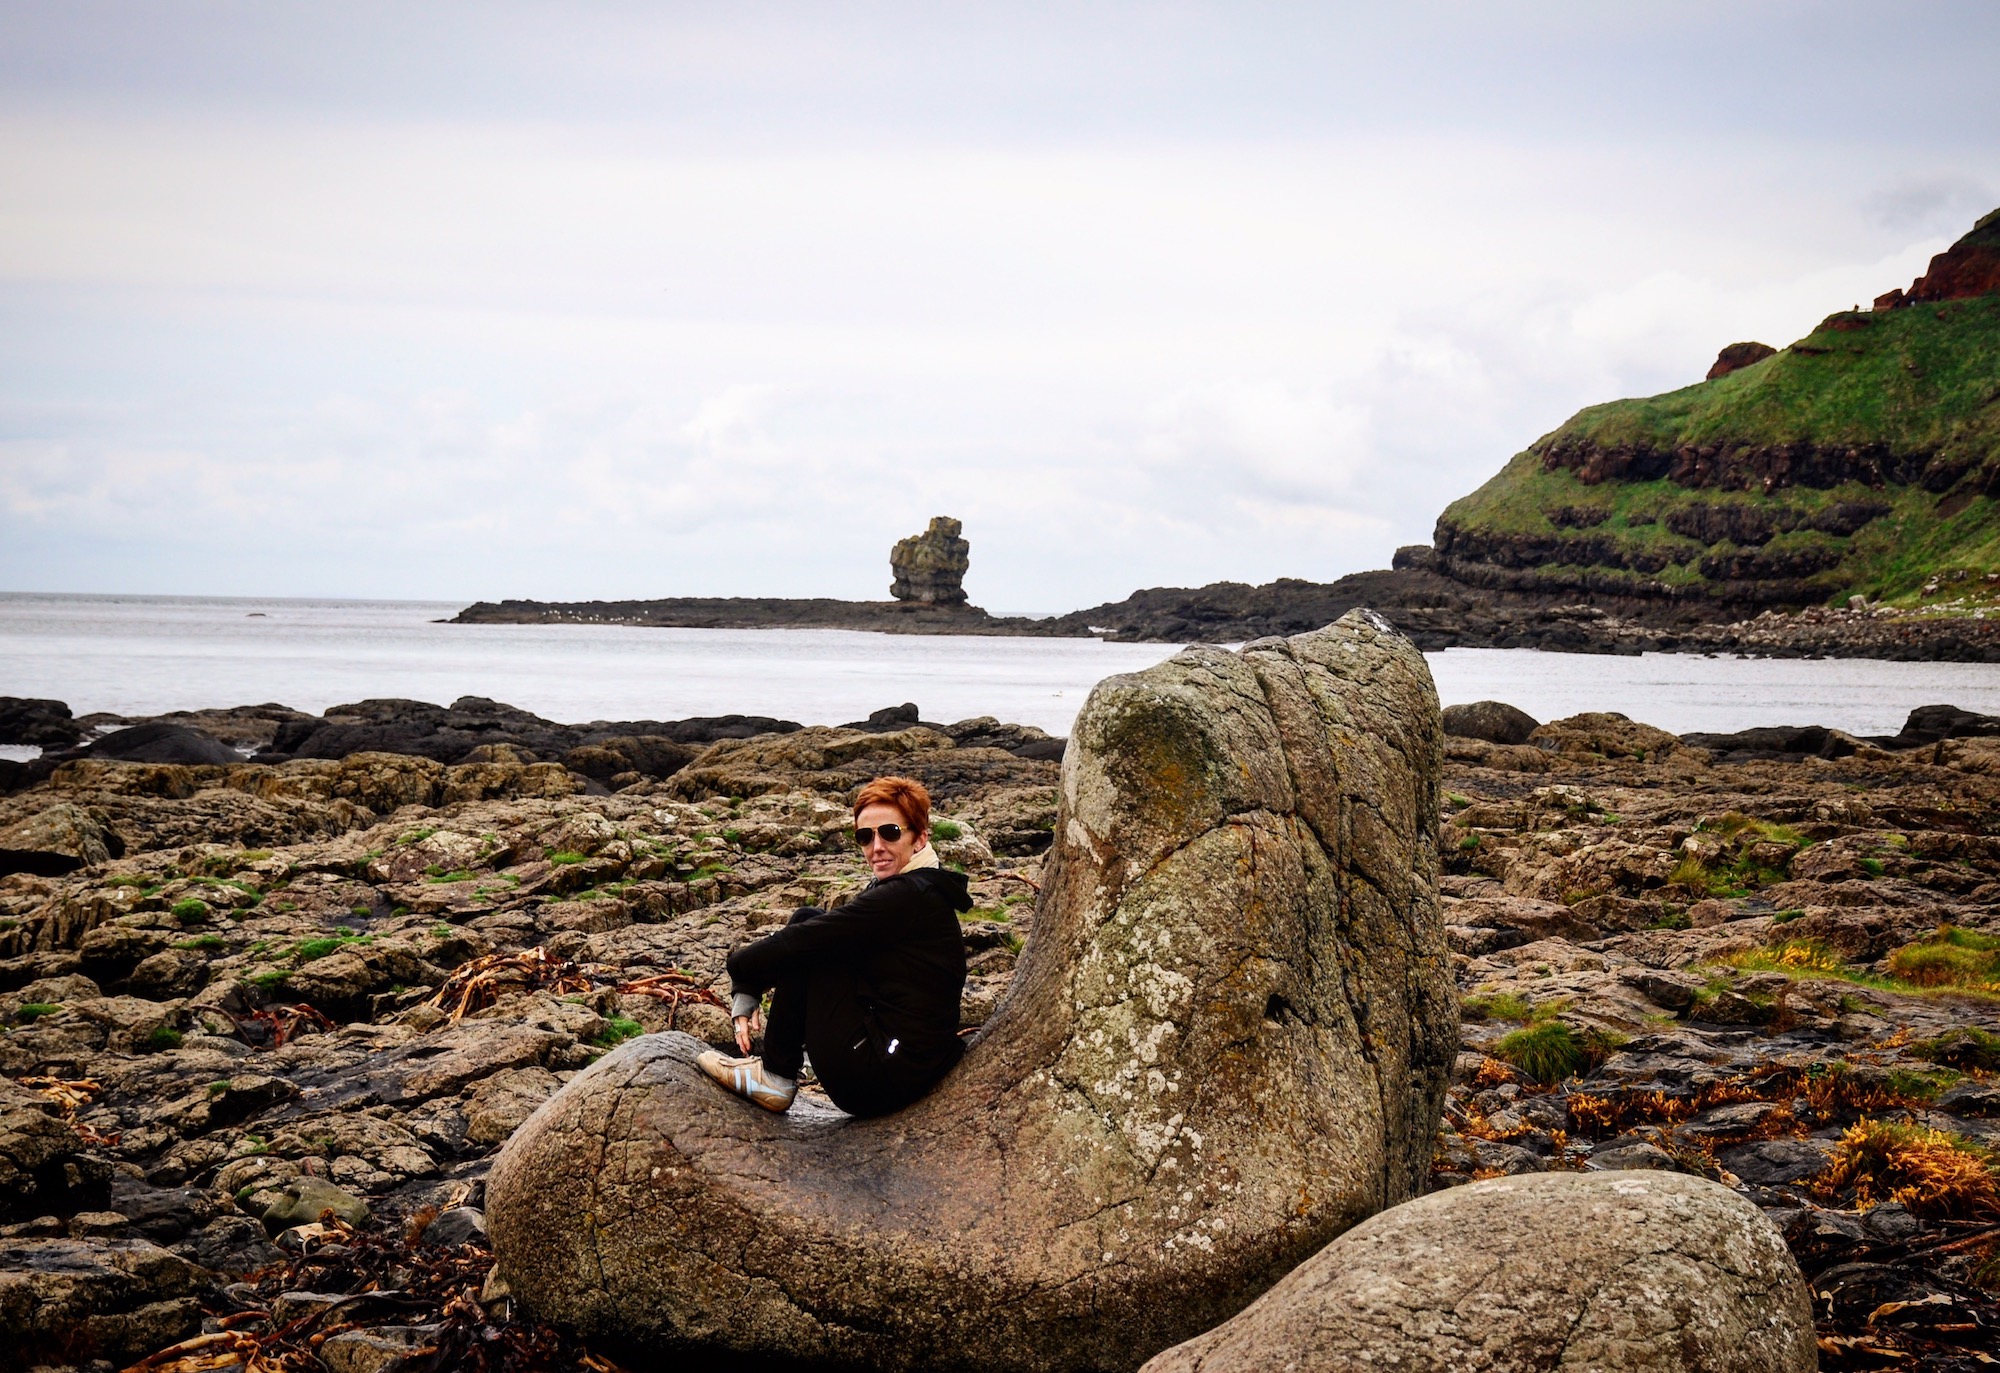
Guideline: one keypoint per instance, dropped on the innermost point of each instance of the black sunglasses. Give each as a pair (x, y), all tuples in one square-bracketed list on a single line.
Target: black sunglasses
[(865, 835)]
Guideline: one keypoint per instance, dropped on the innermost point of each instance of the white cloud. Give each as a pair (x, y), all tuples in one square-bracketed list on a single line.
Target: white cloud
[(742, 330)]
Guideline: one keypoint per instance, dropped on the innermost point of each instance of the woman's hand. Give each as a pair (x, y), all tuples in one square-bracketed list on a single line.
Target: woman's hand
[(747, 1025)]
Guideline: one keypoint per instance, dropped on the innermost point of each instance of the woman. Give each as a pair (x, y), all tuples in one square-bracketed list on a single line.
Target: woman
[(869, 989)]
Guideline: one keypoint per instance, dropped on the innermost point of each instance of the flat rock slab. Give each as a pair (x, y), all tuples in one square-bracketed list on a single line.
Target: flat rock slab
[(1227, 1043), (1610, 1272)]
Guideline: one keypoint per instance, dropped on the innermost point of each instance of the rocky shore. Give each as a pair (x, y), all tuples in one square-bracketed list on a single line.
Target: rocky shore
[(268, 1021), (1433, 610)]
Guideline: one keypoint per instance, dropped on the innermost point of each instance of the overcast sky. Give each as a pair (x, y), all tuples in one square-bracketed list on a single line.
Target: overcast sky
[(576, 300)]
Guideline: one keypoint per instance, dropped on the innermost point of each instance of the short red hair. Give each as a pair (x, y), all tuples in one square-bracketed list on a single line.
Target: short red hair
[(909, 796)]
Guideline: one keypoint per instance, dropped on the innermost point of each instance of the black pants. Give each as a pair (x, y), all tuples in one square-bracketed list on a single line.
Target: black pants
[(825, 1014)]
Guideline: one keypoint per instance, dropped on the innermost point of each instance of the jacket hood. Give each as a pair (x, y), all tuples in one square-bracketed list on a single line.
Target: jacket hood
[(956, 886)]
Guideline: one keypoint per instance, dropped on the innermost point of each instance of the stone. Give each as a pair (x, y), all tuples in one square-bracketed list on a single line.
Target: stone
[(378, 1349), (1628, 1157), (1613, 1272), (57, 840), (1494, 721), (1776, 1162), (500, 1103), (67, 1302), (456, 1226), (1605, 734), (40, 723), (162, 743), (930, 567), (42, 1165), (234, 1245), (306, 1198), (1736, 356), (1173, 1105)]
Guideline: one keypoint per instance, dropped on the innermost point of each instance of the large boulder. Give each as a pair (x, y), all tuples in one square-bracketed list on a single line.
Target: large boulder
[(164, 743), (59, 839), (1227, 1043), (69, 1302), (39, 722), (930, 567), (1494, 721), (1620, 1272)]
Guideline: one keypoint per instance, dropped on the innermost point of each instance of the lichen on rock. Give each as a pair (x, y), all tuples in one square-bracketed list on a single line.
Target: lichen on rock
[(1227, 1043), (1620, 1272)]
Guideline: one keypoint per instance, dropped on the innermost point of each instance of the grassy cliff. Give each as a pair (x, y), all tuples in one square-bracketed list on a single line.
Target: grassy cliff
[(1863, 458)]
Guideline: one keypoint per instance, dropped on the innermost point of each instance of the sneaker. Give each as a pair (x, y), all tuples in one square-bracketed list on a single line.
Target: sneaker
[(746, 1077)]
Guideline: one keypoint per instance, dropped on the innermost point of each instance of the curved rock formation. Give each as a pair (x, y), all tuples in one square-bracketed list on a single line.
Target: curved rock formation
[(1737, 356), (1632, 1272), (1227, 1043), (930, 567)]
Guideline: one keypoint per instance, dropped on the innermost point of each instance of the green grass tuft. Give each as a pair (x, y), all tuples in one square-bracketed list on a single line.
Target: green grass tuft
[(163, 1037), (31, 1011), (192, 911), (617, 1030)]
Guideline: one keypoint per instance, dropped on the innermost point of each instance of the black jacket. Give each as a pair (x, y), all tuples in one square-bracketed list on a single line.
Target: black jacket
[(900, 938)]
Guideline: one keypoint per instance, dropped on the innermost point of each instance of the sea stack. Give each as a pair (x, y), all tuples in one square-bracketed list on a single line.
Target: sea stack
[(930, 567)]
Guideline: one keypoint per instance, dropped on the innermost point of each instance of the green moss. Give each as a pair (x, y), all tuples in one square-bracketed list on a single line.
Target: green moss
[(565, 858), (192, 911), (1872, 866), (204, 941), (945, 829), (458, 875), (31, 1011), (163, 1037), (617, 1030), (270, 977), (310, 949)]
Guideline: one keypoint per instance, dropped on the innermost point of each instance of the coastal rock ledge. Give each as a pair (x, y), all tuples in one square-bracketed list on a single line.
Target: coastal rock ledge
[(1227, 1044)]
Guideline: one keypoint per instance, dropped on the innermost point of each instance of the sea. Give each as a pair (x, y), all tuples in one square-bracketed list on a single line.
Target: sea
[(146, 655)]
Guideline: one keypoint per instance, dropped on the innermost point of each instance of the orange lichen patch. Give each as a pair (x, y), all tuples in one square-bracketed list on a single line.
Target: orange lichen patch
[(1932, 1174)]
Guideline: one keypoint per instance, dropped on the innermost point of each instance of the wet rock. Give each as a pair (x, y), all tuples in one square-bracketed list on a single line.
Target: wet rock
[(1619, 1272), (60, 839), (1494, 721), (65, 1301), (459, 1225), (1177, 1107), (307, 1198), (233, 1245), (163, 743), (378, 1349), (45, 724)]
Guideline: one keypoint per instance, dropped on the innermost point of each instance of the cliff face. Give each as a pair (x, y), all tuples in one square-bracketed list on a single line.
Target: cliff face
[(1863, 458)]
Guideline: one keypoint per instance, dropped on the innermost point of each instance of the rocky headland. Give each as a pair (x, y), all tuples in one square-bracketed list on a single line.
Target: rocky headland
[(267, 1023), (1834, 498)]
